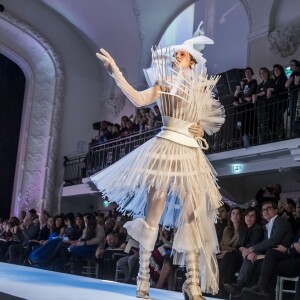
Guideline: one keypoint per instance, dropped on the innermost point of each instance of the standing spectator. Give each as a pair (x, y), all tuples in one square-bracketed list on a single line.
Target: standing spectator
[(243, 102), (278, 95), (268, 193), (263, 105), (292, 84)]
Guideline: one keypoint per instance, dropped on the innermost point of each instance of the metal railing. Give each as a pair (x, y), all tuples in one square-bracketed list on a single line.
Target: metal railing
[(266, 121)]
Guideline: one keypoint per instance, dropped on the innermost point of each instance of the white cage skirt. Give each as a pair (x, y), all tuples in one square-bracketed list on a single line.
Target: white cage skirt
[(188, 178)]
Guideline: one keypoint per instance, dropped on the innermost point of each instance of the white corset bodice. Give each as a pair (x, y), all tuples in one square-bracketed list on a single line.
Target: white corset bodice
[(176, 130)]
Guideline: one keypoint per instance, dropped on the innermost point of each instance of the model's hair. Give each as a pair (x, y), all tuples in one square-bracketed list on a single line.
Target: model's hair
[(193, 59)]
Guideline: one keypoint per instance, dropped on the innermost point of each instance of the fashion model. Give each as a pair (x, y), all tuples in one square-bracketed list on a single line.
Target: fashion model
[(168, 180)]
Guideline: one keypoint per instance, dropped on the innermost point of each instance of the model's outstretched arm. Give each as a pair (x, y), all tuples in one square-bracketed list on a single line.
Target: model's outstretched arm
[(141, 98)]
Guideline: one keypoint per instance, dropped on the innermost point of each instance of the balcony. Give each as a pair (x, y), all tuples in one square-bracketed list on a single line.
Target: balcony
[(259, 143)]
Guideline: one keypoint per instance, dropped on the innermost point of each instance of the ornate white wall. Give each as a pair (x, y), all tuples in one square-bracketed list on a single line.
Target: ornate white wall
[(42, 113)]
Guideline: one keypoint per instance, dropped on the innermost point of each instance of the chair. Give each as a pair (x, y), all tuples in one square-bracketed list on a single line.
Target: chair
[(280, 286), (179, 277), (119, 276), (90, 268)]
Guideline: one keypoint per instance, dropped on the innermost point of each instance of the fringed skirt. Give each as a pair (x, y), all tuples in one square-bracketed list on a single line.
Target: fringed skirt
[(188, 179)]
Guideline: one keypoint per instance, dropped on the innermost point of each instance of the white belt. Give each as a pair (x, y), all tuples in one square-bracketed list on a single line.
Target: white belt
[(177, 131)]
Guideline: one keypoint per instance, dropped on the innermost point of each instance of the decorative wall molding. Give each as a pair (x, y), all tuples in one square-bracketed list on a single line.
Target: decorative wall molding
[(284, 41), (34, 185)]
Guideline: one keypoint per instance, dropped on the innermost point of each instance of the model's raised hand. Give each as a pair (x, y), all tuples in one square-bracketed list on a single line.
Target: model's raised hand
[(107, 60)]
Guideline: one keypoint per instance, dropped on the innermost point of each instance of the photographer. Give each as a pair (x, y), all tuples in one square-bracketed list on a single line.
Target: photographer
[(268, 193)]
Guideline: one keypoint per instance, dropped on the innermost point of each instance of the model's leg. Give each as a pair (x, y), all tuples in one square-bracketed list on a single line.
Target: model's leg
[(191, 288), (155, 206)]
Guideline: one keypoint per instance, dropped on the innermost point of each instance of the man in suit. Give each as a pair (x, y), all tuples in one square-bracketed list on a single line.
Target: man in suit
[(277, 231), (280, 261), (28, 231)]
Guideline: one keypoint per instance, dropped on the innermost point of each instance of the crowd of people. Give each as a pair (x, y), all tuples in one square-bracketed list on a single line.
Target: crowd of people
[(145, 119), (260, 107), (257, 243)]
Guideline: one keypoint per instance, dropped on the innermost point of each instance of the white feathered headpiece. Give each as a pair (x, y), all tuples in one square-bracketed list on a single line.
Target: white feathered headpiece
[(188, 46)]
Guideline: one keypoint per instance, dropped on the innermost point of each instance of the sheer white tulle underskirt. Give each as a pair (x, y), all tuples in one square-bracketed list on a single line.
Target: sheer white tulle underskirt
[(188, 179)]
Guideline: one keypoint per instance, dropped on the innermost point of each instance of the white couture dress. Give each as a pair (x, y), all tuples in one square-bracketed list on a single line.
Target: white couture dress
[(173, 162)]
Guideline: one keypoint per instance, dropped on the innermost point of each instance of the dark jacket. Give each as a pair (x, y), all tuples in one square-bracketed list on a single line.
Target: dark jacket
[(251, 236), (281, 234)]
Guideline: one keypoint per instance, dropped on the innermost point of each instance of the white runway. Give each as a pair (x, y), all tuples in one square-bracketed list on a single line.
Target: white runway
[(35, 284)]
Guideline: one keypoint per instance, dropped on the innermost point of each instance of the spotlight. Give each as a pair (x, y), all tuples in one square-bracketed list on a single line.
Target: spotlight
[(1, 7)]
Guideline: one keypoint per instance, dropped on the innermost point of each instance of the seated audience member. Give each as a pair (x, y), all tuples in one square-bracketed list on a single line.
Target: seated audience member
[(231, 232), (222, 221), (120, 231), (26, 232), (289, 208), (111, 243), (268, 193), (110, 224), (6, 237), (32, 213), (276, 231), (249, 235), (85, 248), (45, 225), (279, 261), (278, 95), (161, 261), (129, 263), (263, 105), (41, 256), (22, 216), (62, 255), (108, 255)]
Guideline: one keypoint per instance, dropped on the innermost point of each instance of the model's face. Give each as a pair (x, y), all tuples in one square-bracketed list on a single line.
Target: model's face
[(250, 219), (183, 59)]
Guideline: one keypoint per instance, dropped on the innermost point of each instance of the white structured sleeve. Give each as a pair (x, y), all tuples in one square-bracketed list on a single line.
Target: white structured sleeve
[(138, 98)]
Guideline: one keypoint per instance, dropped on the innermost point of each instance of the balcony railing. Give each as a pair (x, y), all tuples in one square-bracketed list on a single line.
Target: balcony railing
[(266, 121)]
